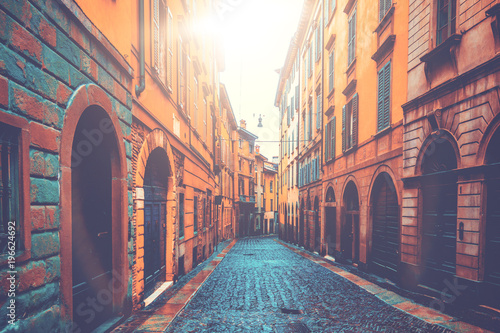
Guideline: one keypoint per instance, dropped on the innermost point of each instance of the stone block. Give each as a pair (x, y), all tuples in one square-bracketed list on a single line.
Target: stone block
[(55, 65), (44, 137), (44, 191), (44, 245)]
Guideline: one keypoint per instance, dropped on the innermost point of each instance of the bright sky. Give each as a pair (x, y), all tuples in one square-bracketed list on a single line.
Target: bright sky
[(257, 35)]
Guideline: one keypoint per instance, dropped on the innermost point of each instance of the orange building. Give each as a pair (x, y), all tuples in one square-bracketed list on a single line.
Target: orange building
[(225, 163), (451, 138), (244, 185), (352, 85), (174, 107), (270, 196)]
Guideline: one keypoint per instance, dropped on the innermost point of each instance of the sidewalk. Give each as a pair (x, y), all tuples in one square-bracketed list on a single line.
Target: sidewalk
[(404, 304), (157, 316)]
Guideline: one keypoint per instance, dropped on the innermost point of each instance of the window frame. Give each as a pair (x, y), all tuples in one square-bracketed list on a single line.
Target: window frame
[(451, 21), (384, 93), (351, 37), (24, 183)]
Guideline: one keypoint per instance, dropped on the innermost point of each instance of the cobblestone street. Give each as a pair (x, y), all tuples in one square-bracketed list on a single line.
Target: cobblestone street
[(261, 286)]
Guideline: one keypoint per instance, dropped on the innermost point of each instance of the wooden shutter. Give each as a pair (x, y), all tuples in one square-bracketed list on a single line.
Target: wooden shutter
[(297, 93), (332, 137), (318, 111), (355, 120), (331, 64), (327, 11), (380, 104), (381, 9), (327, 141), (156, 34), (387, 94), (344, 132), (170, 51)]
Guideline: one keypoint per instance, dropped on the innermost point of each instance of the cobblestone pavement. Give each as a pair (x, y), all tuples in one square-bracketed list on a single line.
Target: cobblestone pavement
[(261, 286)]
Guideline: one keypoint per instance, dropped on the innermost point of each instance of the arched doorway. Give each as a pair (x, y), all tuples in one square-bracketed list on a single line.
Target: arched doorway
[(297, 230), (330, 222), (439, 191), (350, 230), (155, 219), (492, 246), (309, 224), (385, 227), (301, 222), (93, 167), (317, 226)]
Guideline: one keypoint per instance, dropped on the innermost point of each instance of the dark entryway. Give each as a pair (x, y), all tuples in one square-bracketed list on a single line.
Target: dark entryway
[(492, 249), (92, 232), (309, 224), (385, 234), (350, 230), (330, 222), (301, 224), (439, 193), (317, 226), (155, 224)]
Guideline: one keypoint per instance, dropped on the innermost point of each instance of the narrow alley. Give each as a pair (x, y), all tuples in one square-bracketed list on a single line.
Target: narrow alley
[(263, 286)]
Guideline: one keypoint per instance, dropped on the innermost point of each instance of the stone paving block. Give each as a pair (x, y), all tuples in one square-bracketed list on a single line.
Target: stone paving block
[(406, 306), (155, 323), (276, 286), (430, 315), (391, 298)]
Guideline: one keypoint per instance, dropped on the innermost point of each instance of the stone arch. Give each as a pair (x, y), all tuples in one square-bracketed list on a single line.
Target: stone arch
[(384, 169), (489, 134), (431, 143), (157, 139), (330, 193), (346, 182), (82, 99)]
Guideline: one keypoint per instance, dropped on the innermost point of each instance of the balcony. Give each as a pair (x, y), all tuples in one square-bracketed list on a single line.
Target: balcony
[(247, 198)]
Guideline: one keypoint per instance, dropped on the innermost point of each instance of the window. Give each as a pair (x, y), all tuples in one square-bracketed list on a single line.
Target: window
[(310, 60), (181, 215), (271, 187), (330, 140), (384, 97), (329, 8), (204, 213), (182, 74), (272, 207), (162, 42), (9, 188), (446, 20), (241, 187), (195, 214), (297, 92), (264, 205), (205, 112), (241, 143), (350, 124), (351, 42), (318, 41), (331, 66), (250, 148), (384, 6), (318, 111), (310, 122)]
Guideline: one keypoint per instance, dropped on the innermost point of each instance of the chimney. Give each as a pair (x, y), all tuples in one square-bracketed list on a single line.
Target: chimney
[(257, 149), (243, 124)]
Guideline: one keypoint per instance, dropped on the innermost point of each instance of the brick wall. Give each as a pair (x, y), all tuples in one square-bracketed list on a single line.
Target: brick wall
[(45, 55)]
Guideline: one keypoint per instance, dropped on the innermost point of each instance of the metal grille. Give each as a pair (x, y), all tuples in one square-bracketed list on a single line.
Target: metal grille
[(9, 184)]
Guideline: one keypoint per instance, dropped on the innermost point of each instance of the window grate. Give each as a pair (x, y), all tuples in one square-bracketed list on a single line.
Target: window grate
[(9, 185)]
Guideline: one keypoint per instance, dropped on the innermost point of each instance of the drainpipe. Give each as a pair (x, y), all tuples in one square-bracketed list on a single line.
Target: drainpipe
[(140, 88)]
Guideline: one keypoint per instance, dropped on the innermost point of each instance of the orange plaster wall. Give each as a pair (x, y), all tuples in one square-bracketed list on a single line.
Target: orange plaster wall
[(112, 18)]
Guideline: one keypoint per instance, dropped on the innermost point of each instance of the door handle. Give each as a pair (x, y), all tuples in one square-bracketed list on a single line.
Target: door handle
[(102, 234)]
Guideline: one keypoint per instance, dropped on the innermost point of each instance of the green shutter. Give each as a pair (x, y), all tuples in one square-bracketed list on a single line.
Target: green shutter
[(380, 99), (327, 148), (355, 120), (333, 137), (344, 132), (387, 94), (156, 34)]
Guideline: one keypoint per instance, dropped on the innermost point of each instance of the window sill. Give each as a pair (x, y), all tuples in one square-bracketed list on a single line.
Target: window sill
[(385, 48), (350, 150), (445, 48), (440, 55), (351, 87), (330, 111), (383, 132), (351, 66), (167, 89), (385, 19), (331, 93)]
